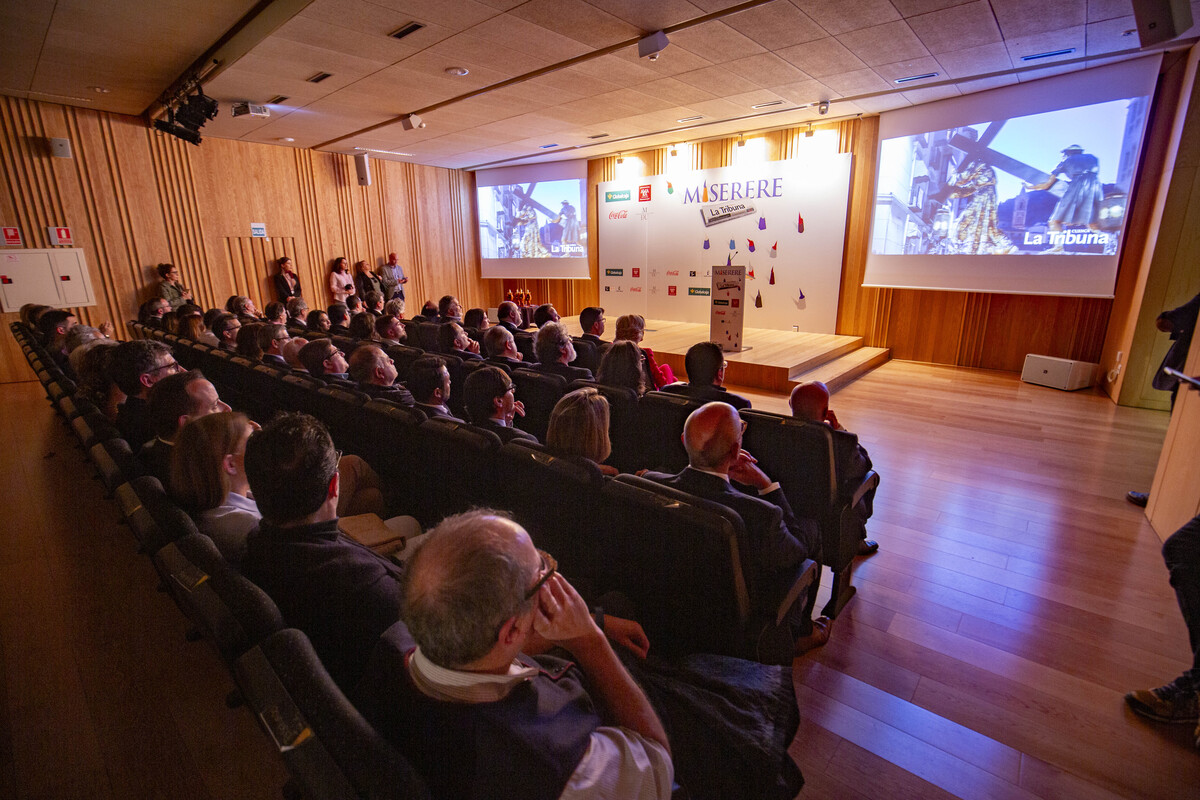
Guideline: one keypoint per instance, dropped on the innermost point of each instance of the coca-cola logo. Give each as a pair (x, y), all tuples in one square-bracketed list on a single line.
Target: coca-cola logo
[(618, 215)]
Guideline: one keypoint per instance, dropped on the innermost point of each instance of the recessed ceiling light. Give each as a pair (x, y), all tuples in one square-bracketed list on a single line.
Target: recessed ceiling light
[(457, 71), (100, 89), (911, 78), (691, 119), (320, 76), (406, 30), (1049, 54), (286, 139), (598, 136), (277, 99), (547, 146), (385, 152), (767, 105)]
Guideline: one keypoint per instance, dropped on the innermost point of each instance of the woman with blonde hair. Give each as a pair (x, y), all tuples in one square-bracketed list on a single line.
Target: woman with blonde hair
[(579, 427), (208, 480)]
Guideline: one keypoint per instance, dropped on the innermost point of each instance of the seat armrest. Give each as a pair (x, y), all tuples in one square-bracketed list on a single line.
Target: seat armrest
[(809, 572), (871, 481)]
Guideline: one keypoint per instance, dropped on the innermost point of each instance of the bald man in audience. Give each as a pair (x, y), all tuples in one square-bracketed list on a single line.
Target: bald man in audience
[(479, 717), (712, 436), (291, 353), (375, 373), (508, 316), (810, 402)]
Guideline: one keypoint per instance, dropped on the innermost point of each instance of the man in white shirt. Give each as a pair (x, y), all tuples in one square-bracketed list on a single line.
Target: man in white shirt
[(480, 719)]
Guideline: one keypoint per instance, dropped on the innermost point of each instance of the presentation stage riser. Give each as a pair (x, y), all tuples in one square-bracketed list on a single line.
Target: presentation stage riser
[(661, 238)]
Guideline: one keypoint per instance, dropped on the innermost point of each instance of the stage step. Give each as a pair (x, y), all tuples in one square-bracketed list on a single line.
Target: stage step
[(841, 371)]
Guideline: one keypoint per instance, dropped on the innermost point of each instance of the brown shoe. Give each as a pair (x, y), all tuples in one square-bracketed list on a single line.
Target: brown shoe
[(819, 636)]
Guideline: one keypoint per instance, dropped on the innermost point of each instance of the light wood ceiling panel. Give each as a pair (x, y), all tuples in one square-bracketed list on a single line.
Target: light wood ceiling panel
[(776, 25), (823, 57), (716, 41), (1019, 18), (838, 16), (577, 20), (957, 27), (650, 17), (975, 60), (884, 44)]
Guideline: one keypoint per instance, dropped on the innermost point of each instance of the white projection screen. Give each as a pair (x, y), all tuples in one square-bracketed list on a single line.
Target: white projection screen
[(1017, 190), (533, 221)]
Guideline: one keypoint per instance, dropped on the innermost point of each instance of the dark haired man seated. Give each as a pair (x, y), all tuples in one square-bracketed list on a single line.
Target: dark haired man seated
[(502, 349), (271, 339), (173, 402), (339, 318), (705, 365), (477, 717), (390, 330), (712, 436), (556, 351), (453, 340), (374, 371), (508, 316), (429, 382), (543, 314), (225, 328), (491, 404), (591, 319), (136, 366), (342, 595), (325, 361), (449, 310)]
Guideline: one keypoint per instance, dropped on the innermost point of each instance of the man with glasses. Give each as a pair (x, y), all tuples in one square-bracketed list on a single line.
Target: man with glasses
[(490, 398), (271, 339), (712, 437), (136, 366), (225, 327), (477, 716), (374, 372), (705, 365), (323, 360)]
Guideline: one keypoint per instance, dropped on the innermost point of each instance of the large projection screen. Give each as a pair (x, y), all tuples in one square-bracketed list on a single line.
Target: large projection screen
[(533, 221), (1017, 190)]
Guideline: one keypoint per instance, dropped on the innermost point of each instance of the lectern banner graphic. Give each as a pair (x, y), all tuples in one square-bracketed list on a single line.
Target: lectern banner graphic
[(663, 238), (728, 305)]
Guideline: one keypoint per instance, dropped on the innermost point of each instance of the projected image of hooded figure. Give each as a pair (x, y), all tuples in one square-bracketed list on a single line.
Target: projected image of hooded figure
[(1080, 205), (975, 231)]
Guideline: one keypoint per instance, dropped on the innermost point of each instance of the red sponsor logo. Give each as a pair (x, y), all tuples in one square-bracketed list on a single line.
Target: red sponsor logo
[(718, 312), (672, 272), (618, 215), (734, 302), (644, 194), (637, 272), (671, 291), (635, 288)]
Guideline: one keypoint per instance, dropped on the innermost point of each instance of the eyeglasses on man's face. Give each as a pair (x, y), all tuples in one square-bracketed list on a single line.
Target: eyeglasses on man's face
[(547, 569)]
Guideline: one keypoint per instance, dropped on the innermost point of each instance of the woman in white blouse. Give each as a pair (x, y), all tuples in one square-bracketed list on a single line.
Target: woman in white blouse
[(341, 282)]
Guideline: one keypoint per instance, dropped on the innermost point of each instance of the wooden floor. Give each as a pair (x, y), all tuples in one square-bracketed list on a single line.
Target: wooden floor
[(1015, 598)]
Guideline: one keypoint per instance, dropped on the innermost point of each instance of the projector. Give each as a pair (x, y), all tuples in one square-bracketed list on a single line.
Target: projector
[(242, 109)]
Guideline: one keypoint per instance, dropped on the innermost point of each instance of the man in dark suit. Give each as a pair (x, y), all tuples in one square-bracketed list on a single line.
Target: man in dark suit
[(810, 402), (488, 394), (339, 319), (374, 371), (324, 361), (429, 382), (342, 595), (712, 436), (502, 350), (453, 340), (173, 402), (555, 352), (705, 364), (137, 366), (508, 316), (591, 319)]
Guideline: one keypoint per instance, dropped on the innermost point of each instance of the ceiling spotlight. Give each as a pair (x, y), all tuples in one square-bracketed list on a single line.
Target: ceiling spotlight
[(823, 107), (620, 158), (410, 121), (809, 132), (458, 72), (650, 46), (288, 139), (741, 140), (99, 89), (674, 151)]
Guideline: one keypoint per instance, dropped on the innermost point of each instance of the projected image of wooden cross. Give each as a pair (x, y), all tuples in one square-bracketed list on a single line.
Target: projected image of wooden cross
[(981, 151)]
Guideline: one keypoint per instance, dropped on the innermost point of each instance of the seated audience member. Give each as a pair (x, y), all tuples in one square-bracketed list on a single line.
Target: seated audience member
[(247, 341), (362, 326), (226, 328), (93, 365), (366, 281), (449, 309), (429, 382), (591, 319), (137, 366), (373, 302), (622, 366), (208, 480), (77, 337), (291, 353), (297, 311), (478, 717), (579, 428), (429, 312), (339, 318), (30, 312), (287, 282), (705, 365), (556, 351), (150, 313), (342, 595), (54, 326), (317, 321), (170, 322), (374, 371), (810, 402), (243, 307), (491, 404), (395, 307), (543, 314), (275, 313), (390, 331), (354, 305), (508, 316), (170, 288), (502, 349), (712, 436), (271, 339), (453, 340), (322, 359), (192, 327), (631, 328), (172, 403), (476, 318)]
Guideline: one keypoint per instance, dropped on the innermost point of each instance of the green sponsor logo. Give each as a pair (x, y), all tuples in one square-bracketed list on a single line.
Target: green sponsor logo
[(614, 273), (694, 291), (720, 302), (613, 197)]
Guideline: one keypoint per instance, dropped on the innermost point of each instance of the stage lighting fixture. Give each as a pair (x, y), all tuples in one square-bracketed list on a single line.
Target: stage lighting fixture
[(178, 131), (650, 46), (410, 121)]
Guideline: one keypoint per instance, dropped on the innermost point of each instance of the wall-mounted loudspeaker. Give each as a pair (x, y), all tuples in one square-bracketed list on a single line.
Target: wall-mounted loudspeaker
[(1161, 20), (363, 167)]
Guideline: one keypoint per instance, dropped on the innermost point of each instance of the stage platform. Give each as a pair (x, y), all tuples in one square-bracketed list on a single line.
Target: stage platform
[(771, 361)]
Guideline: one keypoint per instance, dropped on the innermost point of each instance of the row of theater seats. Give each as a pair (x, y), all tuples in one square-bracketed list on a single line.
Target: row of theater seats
[(329, 750), (645, 433)]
